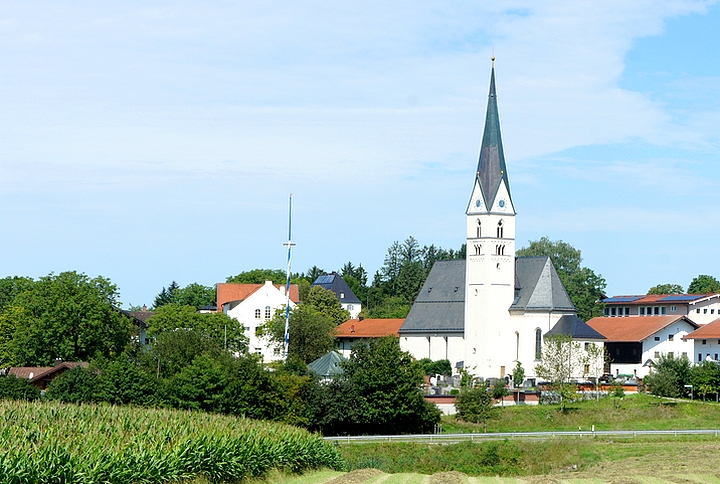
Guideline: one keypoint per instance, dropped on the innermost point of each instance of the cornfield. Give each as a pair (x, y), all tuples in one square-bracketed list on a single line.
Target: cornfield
[(45, 442)]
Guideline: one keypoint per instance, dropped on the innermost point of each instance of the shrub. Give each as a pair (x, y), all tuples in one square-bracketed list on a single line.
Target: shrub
[(18, 389)]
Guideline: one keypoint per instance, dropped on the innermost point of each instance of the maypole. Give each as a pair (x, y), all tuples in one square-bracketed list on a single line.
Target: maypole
[(289, 245)]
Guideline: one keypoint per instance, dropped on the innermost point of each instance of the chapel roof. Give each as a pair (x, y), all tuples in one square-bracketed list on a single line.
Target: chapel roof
[(491, 167), (440, 305), (327, 365), (575, 327)]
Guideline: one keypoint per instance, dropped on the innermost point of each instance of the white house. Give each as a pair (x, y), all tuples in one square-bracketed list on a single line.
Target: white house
[(252, 305), (634, 344), (490, 311), (700, 308), (706, 342), (335, 283)]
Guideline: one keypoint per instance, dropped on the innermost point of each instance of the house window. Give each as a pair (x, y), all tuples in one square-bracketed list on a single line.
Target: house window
[(657, 310), (642, 311), (627, 311), (267, 312), (606, 311), (699, 357), (663, 310), (342, 295), (673, 309), (538, 344), (276, 352), (257, 314), (670, 337), (587, 346), (657, 338), (697, 310), (258, 351), (705, 311), (657, 354), (704, 341), (587, 369), (684, 353), (671, 355), (350, 307), (715, 357)]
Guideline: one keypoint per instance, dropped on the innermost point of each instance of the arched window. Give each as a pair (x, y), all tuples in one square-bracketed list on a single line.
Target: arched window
[(257, 314), (538, 344), (267, 312), (479, 228), (500, 230)]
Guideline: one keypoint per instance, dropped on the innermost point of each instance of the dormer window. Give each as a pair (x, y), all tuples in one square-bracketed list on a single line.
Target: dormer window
[(342, 295)]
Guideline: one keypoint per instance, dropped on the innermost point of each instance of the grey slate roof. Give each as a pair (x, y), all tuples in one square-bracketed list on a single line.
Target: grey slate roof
[(491, 164), (575, 327), (327, 365), (440, 305), (538, 286), (337, 284)]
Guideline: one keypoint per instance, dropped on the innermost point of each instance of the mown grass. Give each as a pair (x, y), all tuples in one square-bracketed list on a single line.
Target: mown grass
[(635, 412), (43, 442)]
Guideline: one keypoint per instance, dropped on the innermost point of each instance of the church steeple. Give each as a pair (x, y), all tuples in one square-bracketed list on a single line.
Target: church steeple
[(491, 168)]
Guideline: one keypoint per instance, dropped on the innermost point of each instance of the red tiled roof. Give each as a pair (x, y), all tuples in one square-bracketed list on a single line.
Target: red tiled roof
[(227, 292), (708, 331), (633, 328), (369, 328)]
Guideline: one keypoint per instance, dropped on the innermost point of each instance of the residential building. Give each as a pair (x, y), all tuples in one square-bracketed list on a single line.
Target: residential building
[(490, 311), (354, 330), (634, 344), (335, 283), (706, 342), (42, 376), (700, 308), (252, 305)]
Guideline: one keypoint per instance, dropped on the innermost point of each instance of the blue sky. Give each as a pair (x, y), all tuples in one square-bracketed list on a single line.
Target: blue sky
[(157, 142)]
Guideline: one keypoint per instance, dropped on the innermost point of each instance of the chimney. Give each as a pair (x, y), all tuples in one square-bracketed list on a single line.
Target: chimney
[(360, 318), (144, 308)]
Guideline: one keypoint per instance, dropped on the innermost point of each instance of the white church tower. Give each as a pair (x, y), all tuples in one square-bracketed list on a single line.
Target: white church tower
[(490, 263)]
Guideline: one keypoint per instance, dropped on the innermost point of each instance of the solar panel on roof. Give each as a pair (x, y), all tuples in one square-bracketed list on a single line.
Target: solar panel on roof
[(681, 297), (327, 279), (622, 299)]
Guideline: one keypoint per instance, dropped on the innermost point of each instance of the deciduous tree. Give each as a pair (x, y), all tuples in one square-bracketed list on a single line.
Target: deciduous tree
[(68, 316), (704, 284), (666, 289)]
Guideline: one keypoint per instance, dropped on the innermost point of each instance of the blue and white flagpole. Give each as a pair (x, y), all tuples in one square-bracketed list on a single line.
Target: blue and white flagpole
[(289, 245)]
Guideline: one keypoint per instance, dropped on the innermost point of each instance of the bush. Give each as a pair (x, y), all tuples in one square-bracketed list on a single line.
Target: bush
[(475, 404), (18, 389)]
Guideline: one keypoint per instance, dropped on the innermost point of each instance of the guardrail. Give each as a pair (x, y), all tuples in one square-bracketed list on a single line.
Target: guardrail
[(451, 438)]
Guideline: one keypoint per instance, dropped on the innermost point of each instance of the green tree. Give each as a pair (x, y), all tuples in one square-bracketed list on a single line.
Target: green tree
[(313, 273), (166, 296), (225, 331), (705, 378), (379, 391), (669, 376), (518, 375), (584, 287), (562, 358), (10, 287), (325, 301), (195, 295), (73, 386), (439, 367), (311, 332), (704, 284), (122, 382), (68, 316), (475, 404), (666, 289), (356, 278), (259, 276)]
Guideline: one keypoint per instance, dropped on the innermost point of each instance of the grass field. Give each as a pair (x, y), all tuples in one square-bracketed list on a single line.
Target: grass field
[(636, 412), (600, 461)]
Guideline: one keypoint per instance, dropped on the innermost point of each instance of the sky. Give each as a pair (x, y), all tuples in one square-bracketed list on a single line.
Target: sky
[(156, 141)]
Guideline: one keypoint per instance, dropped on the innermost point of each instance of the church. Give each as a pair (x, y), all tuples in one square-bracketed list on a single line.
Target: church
[(491, 310)]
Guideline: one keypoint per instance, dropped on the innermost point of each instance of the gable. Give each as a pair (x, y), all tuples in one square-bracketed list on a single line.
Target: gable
[(538, 286)]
